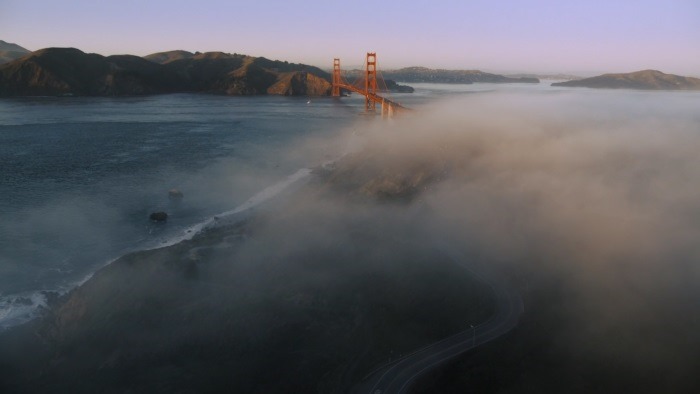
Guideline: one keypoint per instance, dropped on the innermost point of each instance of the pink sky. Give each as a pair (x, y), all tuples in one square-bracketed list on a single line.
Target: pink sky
[(583, 37)]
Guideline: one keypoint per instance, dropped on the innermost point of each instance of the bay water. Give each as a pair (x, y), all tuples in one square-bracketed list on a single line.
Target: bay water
[(79, 177)]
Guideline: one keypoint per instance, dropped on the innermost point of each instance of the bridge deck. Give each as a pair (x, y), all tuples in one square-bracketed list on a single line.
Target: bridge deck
[(374, 97)]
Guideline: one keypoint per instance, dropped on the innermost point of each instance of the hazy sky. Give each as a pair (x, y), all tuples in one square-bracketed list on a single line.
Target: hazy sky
[(506, 36)]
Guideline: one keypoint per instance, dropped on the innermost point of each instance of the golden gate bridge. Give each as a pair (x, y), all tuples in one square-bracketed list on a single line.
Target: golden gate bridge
[(368, 86)]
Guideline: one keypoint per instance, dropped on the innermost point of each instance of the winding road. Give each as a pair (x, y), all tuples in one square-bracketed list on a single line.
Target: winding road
[(398, 376)]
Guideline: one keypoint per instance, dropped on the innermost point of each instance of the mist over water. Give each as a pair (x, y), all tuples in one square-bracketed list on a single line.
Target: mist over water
[(588, 196), (80, 176), (591, 195), (587, 200)]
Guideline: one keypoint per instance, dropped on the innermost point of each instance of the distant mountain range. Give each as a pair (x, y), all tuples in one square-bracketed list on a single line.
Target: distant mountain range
[(10, 52), (69, 71), (646, 80), (423, 74), (559, 76)]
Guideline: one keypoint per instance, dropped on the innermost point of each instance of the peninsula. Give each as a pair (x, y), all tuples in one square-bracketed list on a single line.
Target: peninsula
[(644, 80), (72, 72), (69, 71), (423, 74)]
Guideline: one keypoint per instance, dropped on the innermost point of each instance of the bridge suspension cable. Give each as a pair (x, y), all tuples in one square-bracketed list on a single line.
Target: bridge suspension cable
[(366, 86)]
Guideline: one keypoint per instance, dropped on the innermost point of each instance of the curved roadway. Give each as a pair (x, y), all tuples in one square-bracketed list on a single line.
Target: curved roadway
[(398, 376)]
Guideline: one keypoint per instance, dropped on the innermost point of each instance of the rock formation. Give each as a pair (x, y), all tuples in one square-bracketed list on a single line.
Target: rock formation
[(159, 216), (299, 83)]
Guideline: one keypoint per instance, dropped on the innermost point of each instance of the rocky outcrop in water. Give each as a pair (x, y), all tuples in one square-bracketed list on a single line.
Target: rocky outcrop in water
[(158, 216)]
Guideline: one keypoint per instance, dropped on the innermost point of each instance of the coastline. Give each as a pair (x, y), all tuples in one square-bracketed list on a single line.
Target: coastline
[(24, 307), (188, 278)]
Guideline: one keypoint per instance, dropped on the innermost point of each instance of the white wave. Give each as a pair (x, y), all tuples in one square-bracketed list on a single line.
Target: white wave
[(16, 309), (242, 211)]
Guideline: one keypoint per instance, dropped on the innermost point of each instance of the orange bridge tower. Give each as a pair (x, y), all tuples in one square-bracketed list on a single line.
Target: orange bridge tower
[(371, 81), (367, 86)]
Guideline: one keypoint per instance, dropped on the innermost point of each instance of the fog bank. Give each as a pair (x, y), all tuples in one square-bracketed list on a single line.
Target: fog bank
[(593, 194)]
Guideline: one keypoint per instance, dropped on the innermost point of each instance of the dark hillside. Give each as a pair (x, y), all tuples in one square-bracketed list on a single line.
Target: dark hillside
[(69, 71), (169, 56)]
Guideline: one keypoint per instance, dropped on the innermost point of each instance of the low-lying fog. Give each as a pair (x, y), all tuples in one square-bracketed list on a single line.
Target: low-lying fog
[(591, 197), (594, 193)]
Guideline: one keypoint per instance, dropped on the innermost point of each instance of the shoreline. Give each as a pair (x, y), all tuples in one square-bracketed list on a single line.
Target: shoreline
[(190, 263), (24, 307)]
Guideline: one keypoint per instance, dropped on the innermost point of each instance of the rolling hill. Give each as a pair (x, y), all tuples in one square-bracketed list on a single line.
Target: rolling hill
[(169, 56), (10, 52), (69, 71), (646, 80), (423, 74)]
